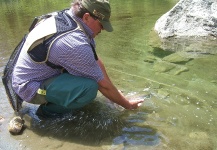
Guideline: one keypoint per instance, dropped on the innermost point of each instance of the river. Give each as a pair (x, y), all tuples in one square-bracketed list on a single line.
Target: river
[(180, 104)]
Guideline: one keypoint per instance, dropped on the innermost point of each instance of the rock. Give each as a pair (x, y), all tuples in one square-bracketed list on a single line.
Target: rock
[(150, 59), (176, 58), (190, 26), (189, 18), (163, 66), (180, 69), (16, 125)]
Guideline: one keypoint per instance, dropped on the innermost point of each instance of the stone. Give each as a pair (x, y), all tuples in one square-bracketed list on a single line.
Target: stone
[(176, 58), (16, 125), (150, 59), (163, 66), (190, 26), (189, 18), (181, 69), (168, 67)]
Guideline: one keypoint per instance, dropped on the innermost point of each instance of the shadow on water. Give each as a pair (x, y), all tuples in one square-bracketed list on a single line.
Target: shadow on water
[(158, 52), (96, 124)]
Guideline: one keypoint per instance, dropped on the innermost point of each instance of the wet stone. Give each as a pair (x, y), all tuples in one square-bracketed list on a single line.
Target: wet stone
[(150, 59), (181, 69), (175, 69), (176, 58), (16, 125), (163, 66)]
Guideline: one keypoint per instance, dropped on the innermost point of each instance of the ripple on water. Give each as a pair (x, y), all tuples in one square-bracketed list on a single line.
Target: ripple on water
[(96, 124)]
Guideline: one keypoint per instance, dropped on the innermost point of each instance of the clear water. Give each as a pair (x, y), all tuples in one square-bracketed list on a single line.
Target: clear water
[(179, 111)]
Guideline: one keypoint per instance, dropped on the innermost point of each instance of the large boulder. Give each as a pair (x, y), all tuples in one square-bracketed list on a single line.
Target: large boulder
[(189, 18), (190, 26)]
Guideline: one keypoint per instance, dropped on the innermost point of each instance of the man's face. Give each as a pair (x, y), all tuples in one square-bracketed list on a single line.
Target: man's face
[(93, 23)]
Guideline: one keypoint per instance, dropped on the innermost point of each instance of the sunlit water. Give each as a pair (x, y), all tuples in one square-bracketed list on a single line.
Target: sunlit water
[(180, 107)]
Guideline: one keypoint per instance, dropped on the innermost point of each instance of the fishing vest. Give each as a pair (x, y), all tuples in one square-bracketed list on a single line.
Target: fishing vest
[(44, 31)]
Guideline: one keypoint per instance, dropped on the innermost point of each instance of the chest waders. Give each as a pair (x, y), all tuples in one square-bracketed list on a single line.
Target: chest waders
[(37, 44)]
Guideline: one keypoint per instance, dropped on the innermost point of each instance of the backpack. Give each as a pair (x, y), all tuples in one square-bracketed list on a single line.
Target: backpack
[(37, 44)]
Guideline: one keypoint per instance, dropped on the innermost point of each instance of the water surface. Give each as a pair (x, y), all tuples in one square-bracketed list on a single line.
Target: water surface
[(180, 98)]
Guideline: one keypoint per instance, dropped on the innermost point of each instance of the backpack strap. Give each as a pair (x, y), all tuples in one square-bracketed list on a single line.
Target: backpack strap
[(45, 30)]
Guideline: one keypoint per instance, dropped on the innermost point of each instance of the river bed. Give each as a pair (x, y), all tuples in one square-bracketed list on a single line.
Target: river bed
[(180, 97)]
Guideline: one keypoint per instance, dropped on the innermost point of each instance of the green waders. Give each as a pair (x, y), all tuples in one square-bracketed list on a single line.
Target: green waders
[(65, 93)]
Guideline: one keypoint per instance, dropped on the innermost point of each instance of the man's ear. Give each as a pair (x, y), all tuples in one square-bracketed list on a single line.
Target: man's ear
[(86, 17)]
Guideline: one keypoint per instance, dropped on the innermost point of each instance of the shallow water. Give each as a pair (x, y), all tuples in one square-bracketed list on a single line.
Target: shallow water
[(180, 98)]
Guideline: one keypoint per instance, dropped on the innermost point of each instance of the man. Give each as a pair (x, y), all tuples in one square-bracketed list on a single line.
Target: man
[(74, 51)]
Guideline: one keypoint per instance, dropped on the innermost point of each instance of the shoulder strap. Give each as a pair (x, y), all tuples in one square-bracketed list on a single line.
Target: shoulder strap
[(94, 52), (45, 32), (62, 23)]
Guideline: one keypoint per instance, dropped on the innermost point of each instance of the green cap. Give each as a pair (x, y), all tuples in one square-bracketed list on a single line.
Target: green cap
[(100, 9)]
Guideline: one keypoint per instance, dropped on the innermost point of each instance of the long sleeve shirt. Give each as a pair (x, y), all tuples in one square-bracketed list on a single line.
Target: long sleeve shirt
[(72, 51)]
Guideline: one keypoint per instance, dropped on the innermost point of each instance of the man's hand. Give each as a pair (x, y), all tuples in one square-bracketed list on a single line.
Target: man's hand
[(134, 104), (107, 88)]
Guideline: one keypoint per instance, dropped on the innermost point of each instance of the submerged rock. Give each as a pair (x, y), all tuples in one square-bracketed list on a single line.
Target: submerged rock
[(163, 66), (180, 69), (176, 58), (175, 69), (150, 59)]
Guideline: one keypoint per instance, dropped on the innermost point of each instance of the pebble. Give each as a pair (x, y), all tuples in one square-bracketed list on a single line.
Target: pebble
[(16, 125)]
